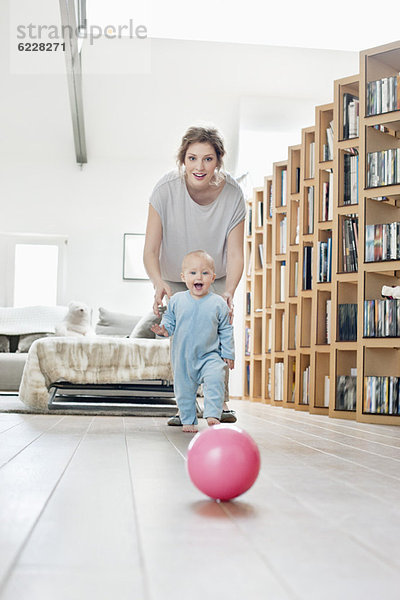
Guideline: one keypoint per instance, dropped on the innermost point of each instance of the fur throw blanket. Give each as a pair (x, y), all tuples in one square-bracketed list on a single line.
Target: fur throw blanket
[(91, 360)]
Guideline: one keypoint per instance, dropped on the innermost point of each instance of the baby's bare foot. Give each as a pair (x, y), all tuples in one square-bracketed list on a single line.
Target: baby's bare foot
[(190, 428), (212, 421)]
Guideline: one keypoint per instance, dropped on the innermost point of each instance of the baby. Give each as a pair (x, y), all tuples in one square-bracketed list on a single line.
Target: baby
[(202, 346)]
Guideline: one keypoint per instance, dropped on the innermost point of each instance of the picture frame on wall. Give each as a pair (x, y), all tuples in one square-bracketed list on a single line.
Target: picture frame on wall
[(133, 267)]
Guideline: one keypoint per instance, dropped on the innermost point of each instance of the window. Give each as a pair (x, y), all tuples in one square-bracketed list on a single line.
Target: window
[(34, 269)]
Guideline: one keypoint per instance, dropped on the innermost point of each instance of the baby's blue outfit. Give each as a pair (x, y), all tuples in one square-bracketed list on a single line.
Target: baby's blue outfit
[(203, 336)]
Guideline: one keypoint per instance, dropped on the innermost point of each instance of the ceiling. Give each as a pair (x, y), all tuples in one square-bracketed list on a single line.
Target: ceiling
[(339, 25)]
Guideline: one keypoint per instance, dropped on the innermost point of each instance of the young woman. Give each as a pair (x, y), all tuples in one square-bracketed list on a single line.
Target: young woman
[(197, 206)]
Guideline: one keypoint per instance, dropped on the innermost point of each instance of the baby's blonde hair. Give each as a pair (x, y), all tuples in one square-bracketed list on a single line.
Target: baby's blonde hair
[(201, 253)]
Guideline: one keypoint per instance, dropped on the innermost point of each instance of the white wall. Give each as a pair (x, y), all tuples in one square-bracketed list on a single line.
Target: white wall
[(259, 97)]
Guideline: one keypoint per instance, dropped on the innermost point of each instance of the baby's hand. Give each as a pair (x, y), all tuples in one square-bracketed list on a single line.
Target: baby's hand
[(229, 362), (159, 330)]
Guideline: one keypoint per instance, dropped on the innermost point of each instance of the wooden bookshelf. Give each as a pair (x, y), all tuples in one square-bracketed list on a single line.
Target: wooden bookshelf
[(341, 197)]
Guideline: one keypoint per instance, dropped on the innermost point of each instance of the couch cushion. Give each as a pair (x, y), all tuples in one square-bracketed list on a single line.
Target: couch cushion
[(30, 319), (114, 323), (142, 329)]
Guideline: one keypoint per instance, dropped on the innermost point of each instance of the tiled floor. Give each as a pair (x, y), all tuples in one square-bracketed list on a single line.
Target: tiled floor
[(102, 508)]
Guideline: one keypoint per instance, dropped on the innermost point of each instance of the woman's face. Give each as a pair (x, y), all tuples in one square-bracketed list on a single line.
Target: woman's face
[(200, 162)]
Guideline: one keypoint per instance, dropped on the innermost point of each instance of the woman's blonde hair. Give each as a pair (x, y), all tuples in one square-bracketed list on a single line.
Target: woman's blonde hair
[(203, 135)]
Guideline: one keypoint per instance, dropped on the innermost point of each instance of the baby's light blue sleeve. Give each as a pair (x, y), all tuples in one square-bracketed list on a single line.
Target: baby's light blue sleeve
[(225, 332), (169, 320)]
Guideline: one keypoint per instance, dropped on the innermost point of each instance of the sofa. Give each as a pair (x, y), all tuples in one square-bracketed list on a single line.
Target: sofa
[(21, 327)]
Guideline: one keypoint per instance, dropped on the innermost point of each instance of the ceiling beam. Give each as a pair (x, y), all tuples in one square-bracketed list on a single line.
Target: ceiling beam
[(74, 73)]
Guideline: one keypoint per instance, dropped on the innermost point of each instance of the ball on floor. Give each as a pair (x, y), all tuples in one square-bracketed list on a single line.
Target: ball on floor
[(223, 461)]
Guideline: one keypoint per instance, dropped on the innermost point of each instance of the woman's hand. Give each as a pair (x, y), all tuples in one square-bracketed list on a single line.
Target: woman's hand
[(228, 297), (229, 362), (161, 289)]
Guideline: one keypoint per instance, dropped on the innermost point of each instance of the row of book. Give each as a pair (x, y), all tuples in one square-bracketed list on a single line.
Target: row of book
[(383, 167), (347, 322), (261, 254), (283, 187), (297, 181), (249, 221), (351, 109), (309, 225), (311, 162), (324, 261), (328, 320), (269, 200), (283, 235), (382, 395), (297, 229), (350, 243), (307, 267), (279, 381), (327, 199), (248, 303), (305, 397), (381, 318), (350, 176), (346, 391), (282, 268), (295, 290), (247, 341), (327, 149), (327, 382), (260, 214), (383, 95), (382, 242)]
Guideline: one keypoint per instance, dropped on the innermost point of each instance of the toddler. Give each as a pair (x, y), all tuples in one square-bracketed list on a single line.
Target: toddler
[(202, 346)]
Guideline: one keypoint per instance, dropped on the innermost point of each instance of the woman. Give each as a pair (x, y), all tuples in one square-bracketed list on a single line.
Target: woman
[(197, 207)]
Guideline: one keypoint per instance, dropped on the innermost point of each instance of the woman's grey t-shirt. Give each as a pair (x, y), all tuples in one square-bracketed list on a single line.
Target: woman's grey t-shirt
[(189, 226)]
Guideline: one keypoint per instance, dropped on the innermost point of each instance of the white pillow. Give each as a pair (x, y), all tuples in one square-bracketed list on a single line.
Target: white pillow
[(142, 329)]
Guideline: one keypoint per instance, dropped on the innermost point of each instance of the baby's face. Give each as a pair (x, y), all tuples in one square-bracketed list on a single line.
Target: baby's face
[(198, 275)]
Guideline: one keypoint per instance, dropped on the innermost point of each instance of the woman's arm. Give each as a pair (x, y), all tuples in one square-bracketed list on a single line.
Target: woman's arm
[(234, 264), (151, 258)]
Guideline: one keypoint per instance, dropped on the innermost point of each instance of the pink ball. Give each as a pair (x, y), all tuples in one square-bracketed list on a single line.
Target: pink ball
[(223, 461)]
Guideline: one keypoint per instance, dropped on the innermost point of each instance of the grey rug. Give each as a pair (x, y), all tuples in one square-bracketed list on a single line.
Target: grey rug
[(12, 404)]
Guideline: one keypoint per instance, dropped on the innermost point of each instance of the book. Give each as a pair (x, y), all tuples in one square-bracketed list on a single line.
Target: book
[(261, 254), (282, 281), (328, 320), (283, 235), (283, 187), (249, 221), (311, 165), (326, 391), (297, 186), (307, 267), (260, 214), (350, 116), (346, 392), (310, 210)]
